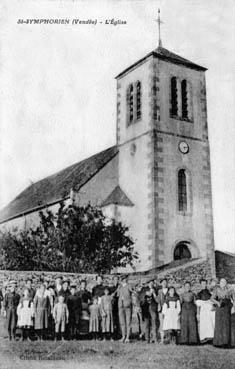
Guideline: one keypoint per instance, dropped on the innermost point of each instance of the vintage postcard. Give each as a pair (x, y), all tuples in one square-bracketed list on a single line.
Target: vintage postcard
[(117, 184)]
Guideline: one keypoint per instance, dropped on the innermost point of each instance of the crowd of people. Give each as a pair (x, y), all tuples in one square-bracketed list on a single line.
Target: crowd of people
[(64, 310)]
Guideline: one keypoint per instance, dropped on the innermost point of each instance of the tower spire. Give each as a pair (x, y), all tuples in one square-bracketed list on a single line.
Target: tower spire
[(159, 29)]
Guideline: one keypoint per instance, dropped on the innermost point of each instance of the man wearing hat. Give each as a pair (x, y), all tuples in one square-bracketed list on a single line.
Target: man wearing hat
[(10, 303), (65, 290)]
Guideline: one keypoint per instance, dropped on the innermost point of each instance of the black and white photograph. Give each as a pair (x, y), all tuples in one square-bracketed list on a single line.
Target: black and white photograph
[(117, 184)]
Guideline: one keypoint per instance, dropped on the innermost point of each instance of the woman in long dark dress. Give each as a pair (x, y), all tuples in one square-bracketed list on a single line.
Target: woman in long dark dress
[(189, 331), (233, 328), (222, 298)]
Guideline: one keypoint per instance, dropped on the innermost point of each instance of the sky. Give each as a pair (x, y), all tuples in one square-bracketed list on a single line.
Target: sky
[(58, 87)]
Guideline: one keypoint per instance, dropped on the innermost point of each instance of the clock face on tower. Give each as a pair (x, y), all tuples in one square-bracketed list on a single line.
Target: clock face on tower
[(183, 147)]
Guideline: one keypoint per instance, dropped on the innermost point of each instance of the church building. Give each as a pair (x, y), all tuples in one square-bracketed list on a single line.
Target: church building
[(157, 178)]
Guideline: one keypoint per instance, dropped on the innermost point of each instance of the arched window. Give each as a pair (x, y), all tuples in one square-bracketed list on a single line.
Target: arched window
[(130, 104), (138, 100), (182, 251), (182, 190), (174, 100), (184, 98)]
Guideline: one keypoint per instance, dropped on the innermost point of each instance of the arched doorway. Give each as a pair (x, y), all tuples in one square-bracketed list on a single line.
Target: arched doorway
[(182, 251)]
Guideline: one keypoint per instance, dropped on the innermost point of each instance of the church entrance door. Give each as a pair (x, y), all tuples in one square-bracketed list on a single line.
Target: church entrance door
[(182, 251)]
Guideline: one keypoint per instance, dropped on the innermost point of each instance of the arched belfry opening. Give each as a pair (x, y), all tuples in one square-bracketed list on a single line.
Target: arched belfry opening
[(182, 251)]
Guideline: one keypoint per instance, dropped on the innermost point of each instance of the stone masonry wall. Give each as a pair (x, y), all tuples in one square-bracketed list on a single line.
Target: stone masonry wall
[(225, 266), (192, 271)]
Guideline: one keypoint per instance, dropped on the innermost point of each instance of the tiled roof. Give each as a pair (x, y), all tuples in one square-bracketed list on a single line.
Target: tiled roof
[(117, 197), (164, 54), (57, 186)]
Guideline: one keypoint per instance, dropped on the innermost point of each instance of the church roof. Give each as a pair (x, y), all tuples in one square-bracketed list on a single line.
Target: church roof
[(56, 187), (117, 197), (166, 55)]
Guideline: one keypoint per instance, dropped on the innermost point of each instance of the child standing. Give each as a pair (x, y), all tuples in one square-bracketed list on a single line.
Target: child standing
[(25, 314), (61, 317), (171, 310), (94, 318), (107, 314)]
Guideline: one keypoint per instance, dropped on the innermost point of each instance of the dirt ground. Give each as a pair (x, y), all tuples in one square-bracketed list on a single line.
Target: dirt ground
[(110, 355)]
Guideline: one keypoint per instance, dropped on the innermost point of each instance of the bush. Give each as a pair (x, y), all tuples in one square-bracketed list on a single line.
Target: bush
[(75, 239)]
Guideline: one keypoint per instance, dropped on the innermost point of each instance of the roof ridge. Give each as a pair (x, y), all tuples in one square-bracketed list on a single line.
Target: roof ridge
[(160, 49), (73, 165), (80, 162), (164, 54)]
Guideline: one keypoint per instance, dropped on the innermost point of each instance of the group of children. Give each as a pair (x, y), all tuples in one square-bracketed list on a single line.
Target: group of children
[(105, 312)]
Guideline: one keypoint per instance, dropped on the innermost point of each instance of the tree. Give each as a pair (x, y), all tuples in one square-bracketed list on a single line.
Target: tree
[(74, 239)]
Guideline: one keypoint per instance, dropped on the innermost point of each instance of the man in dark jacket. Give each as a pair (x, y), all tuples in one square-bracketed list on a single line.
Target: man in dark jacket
[(98, 289), (32, 291), (10, 303), (74, 304), (85, 297), (149, 307), (65, 291), (1, 299), (113, 292), (84, 294)]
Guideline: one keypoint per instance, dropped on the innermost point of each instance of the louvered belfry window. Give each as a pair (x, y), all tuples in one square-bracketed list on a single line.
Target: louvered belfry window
[(138, 100), (182, 190), (184, 97), (174, 97), (131, 104), (134, 102)]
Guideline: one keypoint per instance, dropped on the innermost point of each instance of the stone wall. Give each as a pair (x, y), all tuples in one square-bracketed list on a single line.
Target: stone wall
[(177, 275), (225, 265), (192, 271)]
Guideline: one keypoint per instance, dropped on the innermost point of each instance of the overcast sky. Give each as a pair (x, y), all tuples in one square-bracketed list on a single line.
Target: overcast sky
[(58, 92)]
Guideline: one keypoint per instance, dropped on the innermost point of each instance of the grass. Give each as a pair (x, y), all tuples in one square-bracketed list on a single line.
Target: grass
[(111, 355)]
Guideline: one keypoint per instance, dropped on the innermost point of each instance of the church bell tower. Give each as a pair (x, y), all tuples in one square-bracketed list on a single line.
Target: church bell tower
[(164, 158)]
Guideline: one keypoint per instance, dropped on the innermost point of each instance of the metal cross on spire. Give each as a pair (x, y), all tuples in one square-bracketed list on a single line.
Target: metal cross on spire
[(159, 29)]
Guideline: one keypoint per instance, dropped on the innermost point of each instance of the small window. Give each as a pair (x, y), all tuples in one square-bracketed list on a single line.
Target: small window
[(182, 190), (174, 99), (184, 95), (138, 100)]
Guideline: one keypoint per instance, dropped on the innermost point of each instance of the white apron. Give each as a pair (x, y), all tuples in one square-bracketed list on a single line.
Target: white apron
[(171, 315), (207, 320)]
